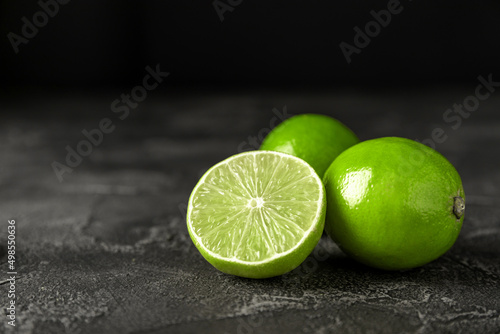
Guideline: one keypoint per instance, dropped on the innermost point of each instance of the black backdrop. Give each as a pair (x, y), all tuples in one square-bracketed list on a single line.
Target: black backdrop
[(95, 43)]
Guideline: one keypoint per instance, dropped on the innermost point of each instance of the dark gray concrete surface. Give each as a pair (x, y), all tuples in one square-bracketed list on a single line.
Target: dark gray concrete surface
[(107, 250)]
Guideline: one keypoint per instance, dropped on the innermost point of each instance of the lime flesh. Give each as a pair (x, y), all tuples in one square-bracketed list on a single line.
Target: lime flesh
[(393, 203), (257, 214)]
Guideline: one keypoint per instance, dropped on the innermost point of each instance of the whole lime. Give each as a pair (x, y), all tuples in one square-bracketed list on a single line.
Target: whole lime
[(317, 139), (393, 203)]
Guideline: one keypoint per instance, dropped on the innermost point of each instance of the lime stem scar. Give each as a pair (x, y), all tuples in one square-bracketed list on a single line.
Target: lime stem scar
[(458, 207)]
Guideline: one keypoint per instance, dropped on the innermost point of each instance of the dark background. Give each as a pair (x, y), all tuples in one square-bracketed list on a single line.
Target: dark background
[(106, 250), (94, 44)]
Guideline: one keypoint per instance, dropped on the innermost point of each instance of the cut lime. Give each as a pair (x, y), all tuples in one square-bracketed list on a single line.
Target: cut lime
[(257, 214)]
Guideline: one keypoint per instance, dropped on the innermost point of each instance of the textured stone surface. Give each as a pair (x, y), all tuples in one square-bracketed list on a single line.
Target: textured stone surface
[(107, 249)]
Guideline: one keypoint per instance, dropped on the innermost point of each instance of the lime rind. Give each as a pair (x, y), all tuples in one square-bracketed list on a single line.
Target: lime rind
[(315, 138), (257, 214), (391, 203)]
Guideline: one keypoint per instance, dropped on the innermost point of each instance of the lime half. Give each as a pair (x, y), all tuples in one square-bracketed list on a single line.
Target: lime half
[(257, 214)]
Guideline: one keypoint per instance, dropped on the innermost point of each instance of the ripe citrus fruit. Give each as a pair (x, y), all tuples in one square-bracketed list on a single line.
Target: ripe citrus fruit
[(393, 203), (317, 139), (257, 214)]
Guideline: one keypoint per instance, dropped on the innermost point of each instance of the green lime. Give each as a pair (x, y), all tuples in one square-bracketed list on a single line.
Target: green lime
[(393, 203), (317, 139), (257, 214)]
